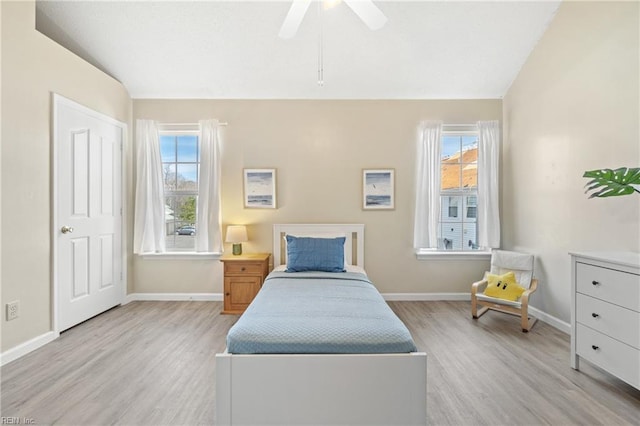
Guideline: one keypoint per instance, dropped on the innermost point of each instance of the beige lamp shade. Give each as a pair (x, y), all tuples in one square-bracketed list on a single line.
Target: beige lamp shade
[(236, 234)]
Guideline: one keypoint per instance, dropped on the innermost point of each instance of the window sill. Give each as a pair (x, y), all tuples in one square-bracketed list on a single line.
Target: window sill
[(181, 256), (425, 254)]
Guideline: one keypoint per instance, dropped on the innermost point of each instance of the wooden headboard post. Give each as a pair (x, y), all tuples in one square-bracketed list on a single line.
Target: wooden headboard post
[(353, 246)]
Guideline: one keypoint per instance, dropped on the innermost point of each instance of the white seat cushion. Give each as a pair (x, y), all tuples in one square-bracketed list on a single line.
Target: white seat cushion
[(516, 304)]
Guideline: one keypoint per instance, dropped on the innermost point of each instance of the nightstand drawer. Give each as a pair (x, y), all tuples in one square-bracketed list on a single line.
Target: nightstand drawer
[(243, 268)]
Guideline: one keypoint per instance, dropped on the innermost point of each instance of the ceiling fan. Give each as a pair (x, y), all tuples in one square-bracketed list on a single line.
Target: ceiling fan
[(365, 9)]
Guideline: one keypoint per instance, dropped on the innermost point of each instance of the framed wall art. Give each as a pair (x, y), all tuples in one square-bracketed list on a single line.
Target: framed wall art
[(378, 187), (260, 188)]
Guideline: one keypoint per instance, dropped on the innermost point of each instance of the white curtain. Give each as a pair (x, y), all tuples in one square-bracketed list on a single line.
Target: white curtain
[(149, 221), (427, 213), (209, 235), (488, 189)]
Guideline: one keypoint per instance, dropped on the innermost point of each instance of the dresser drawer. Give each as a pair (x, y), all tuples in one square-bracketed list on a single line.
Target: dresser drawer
[(243, 268), (620, 323), (620, 288), (617, 358)]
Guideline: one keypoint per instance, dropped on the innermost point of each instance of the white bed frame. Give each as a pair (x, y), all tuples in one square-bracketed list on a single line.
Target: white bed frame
[(327, 389)]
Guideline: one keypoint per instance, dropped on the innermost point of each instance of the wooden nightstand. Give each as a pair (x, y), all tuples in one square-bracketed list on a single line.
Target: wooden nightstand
[(243, 278)]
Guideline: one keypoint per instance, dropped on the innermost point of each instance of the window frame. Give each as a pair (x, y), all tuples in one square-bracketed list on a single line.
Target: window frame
[(482, 253)]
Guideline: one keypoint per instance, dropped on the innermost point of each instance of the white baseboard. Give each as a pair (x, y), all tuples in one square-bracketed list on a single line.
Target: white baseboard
[(554, 322), (29, 346), (173, 297)]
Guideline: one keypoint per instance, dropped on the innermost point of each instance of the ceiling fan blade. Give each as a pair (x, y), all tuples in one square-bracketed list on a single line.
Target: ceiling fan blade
[(368, 12), (294, 18)]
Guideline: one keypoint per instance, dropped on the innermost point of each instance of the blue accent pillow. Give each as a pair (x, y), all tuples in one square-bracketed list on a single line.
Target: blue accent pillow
[(315, 254)]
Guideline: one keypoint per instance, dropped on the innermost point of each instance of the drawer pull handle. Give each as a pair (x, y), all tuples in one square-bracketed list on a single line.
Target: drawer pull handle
[(243, 269), (227, 294), (594, 347), (595, 315), (594, 282)]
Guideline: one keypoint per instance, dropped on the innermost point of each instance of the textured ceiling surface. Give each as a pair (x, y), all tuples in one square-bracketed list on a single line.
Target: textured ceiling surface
[(231, 50)]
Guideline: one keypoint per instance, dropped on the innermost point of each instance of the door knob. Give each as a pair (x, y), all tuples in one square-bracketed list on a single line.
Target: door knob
[(66, 229)]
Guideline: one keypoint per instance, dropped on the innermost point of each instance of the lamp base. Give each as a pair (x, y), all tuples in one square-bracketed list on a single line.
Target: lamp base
[(237, 249)]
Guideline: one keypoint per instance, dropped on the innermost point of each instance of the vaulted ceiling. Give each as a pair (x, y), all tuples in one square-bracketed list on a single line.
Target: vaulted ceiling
[(231, 49)]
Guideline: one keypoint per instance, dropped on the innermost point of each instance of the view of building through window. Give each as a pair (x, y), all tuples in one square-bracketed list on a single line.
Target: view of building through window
[(458, 192), (180, 162)]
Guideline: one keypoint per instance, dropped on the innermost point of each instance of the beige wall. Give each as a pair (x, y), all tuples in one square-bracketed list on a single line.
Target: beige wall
[(32, 67), (319, 149), (573, 107)]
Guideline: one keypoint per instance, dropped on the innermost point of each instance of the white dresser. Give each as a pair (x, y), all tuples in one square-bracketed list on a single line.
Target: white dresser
[(605, 312)]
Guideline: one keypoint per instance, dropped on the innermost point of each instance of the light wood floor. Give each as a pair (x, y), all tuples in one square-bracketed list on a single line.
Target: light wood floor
[(152, 363)]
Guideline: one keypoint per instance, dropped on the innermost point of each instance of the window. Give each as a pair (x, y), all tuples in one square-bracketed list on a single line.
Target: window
[(176, 215), (458, 191), (180, 153)]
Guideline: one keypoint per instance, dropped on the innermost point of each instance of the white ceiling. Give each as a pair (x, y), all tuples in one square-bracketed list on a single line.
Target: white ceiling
[(231, 50)]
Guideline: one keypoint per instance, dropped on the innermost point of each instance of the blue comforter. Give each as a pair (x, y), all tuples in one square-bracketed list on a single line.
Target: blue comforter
[(319, 312)]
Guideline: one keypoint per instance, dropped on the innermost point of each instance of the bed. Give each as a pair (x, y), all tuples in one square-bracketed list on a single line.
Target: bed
[(275, 371)]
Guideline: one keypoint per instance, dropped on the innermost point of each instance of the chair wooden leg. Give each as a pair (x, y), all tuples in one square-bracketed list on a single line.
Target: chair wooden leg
[(481, 312), (531, 321), (475, 312), (474, 306), (526, 322)]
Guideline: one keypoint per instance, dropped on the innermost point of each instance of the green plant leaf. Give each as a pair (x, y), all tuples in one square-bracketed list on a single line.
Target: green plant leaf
[(612, 183)]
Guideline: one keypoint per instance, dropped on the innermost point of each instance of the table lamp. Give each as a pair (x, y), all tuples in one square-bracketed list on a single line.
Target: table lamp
[(237, 234)]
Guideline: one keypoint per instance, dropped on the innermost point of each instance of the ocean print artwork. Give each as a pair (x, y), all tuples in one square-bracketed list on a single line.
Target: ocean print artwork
[(378, 189), (260, 188)]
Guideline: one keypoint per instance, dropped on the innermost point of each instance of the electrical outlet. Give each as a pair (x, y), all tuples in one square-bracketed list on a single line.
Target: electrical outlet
[(13, 310)]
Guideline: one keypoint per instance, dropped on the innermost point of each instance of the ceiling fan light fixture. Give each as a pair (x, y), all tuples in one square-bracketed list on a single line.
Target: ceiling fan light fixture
[(368, 13), (330, 4), (364, 9), (294, 18)]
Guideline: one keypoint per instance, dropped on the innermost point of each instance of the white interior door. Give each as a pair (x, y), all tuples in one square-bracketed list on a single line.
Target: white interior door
[(88, 202)]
